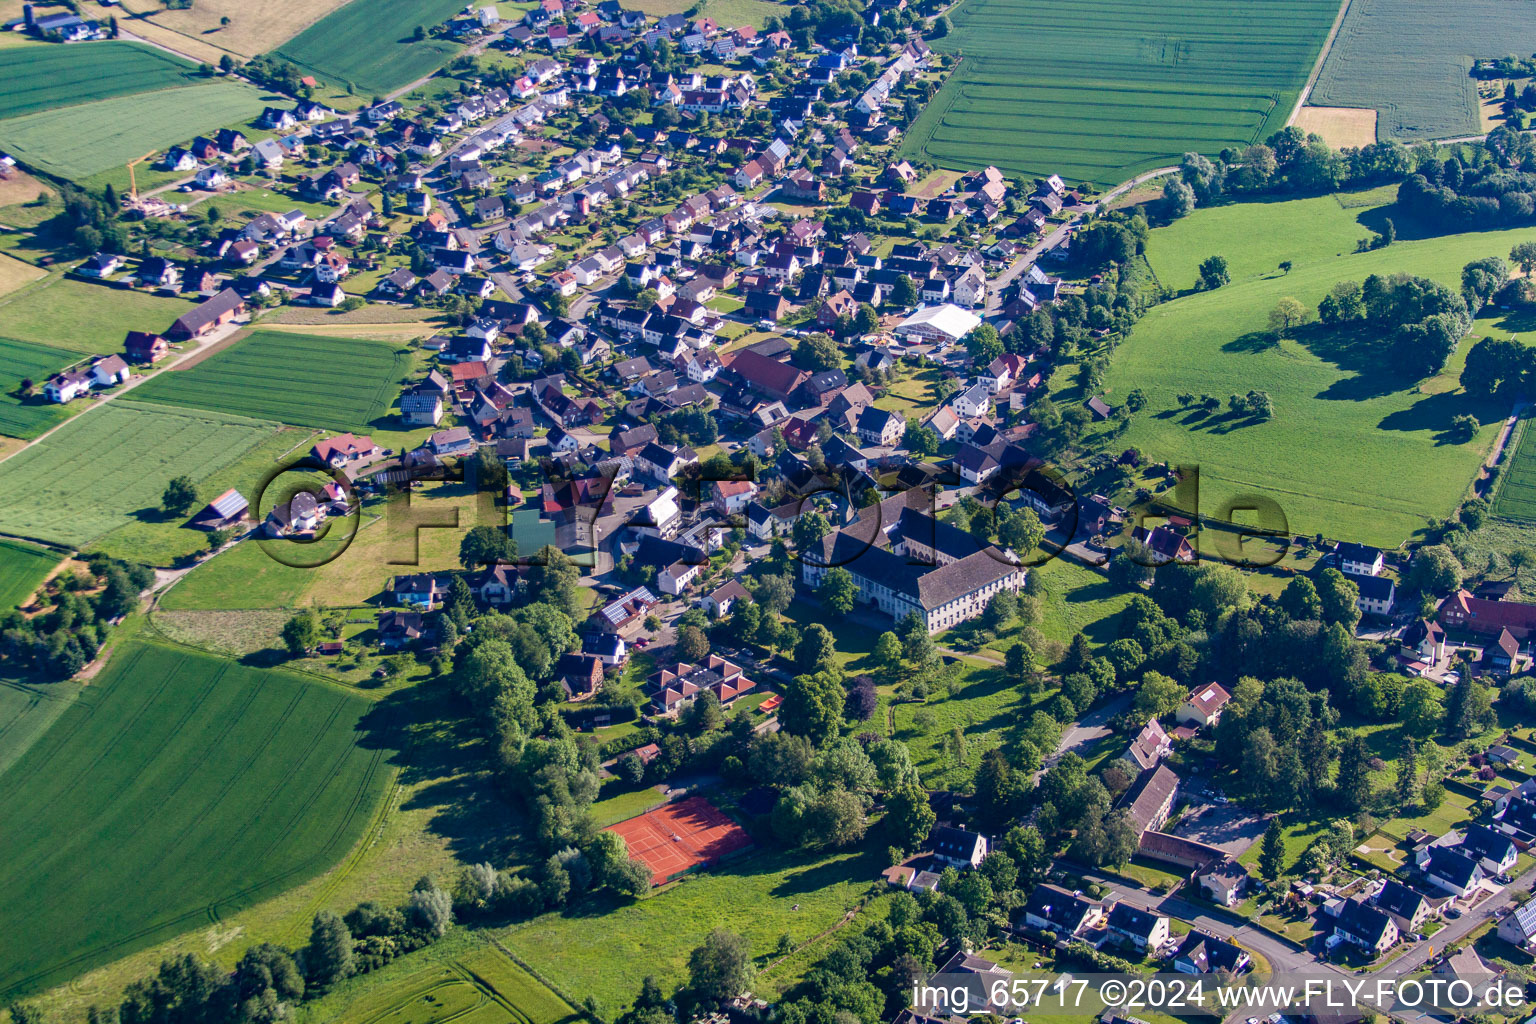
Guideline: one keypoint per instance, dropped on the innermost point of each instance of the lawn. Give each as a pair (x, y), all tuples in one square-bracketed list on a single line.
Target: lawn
[(1078, 600), (85, 139), (1409, 60), (244, 577), (180, 788), (110, 467), (985, 708), (605, 947), (1354, 451), (369, 45), (45, 77), (77, 316), (27, 416), (1100, 90), (23, 567), (421, 535), (328, 382)]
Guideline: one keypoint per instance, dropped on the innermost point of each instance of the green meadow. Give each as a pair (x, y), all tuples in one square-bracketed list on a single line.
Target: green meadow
[(606, 947), (1353, 451)]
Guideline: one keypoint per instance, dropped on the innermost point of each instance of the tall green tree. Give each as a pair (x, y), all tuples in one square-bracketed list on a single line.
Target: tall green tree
[(1353, 783), (1272, 853), (328, 957), (813, 706)]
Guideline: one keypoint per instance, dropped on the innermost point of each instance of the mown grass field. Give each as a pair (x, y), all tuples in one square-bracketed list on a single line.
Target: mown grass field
[(370, 45), (180, 788), (15, 273), (1516, 495), (110, 467), (79, 141), (1100, 90), (1409, 60), (458, 979), (1353, 451), (607, 948), (42, 78), (79, 317), (308, 380), (23, 567), (30, 415)]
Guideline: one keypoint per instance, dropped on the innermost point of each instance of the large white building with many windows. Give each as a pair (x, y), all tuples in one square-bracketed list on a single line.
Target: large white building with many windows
[(903, 561)]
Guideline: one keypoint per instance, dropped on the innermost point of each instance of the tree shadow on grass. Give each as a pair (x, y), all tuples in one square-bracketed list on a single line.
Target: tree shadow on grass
[(439, 751), (1435, 412), (1253, 341), (1517, 321)]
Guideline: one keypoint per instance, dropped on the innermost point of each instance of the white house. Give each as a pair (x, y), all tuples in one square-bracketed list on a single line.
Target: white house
[(1203, 706), (1378, 595), (66, 387), (975, 400), (1359, 559), (109, 371), (957, 847)]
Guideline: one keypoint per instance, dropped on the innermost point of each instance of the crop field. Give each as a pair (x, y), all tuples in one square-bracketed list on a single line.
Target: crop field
[(30, 415), (458, 979), (1516, 497), (1353, 451), (1409, 60), (307, 380), (26, 711), (44, 77), (82, 140), (370, 46), (1100, 90), (110, 467), (608, 950), (112, 816), (249, 32), (23, 567)]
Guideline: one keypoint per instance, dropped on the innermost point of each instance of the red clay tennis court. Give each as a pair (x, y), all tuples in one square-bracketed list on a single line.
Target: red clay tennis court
[(678, 837)]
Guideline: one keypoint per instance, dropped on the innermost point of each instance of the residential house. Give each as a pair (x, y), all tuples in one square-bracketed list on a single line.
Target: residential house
[(957, 847), (1141, 930), (1367, 927), (1359, 559), (143, 347), (1204, 953), (1050, 908), (1202, 708)]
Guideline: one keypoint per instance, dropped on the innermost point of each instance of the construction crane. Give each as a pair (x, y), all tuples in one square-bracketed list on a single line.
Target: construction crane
[(133, 188)]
